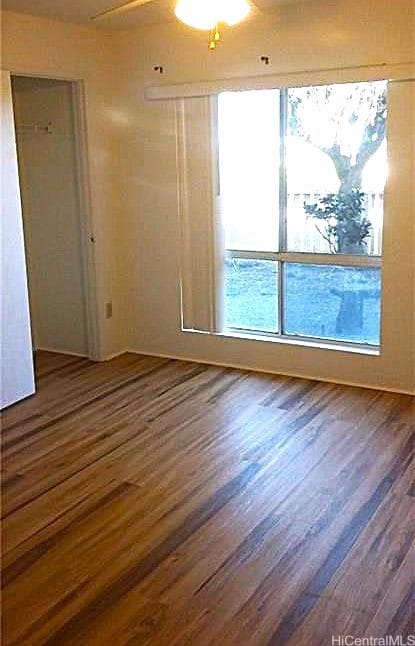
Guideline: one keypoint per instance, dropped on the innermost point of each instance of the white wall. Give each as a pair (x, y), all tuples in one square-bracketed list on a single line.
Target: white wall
[(51, 214), (313, 35), (16, 345), (41, 47), (133, 166)]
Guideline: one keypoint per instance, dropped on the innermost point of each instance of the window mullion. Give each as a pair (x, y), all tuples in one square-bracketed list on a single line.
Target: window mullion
[(282, 216), (304, 258), (282, 242), (343, 260)]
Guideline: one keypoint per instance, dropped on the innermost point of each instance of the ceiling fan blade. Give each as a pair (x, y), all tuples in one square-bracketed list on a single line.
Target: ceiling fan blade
[(122, 9)]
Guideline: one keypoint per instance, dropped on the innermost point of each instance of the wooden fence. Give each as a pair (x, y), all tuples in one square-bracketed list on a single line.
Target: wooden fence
[(302, 234)]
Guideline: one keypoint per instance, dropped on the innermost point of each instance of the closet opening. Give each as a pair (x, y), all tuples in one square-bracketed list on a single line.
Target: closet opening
[(50, 149)]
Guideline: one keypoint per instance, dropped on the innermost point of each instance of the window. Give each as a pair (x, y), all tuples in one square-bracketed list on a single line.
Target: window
[(301, 180)]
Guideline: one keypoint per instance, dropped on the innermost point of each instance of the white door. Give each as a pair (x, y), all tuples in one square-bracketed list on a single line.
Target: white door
[(17, 378)]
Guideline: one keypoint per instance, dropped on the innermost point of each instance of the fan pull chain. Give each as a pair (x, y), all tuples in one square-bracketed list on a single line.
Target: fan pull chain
[(214, 38)]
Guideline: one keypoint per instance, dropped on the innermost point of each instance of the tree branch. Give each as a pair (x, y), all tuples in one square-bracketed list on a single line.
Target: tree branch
[(373, 136), (332, 246)]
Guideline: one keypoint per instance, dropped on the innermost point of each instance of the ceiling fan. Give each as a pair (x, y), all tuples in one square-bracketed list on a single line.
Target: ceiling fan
[(200, 14)]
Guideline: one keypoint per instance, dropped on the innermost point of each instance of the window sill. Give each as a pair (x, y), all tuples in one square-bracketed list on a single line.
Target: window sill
[(337, 346)]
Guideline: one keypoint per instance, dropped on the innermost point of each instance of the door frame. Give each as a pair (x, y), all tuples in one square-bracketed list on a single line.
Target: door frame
[(85, 219)]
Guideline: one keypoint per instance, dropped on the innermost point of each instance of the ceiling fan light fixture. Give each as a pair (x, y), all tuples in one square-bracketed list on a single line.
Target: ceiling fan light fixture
[(200, 14), (205, 14), (234, 11)]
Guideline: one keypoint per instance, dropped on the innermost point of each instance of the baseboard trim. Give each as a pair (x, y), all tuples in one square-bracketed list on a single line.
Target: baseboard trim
[(114, 355), (274, 372), (65, 352), (84, 356)]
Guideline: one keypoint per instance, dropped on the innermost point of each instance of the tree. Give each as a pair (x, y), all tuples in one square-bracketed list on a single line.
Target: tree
[(345, 121), (341, 221)]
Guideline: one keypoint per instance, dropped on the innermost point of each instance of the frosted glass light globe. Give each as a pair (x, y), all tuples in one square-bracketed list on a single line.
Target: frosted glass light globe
[(205, 14), (233, 11)]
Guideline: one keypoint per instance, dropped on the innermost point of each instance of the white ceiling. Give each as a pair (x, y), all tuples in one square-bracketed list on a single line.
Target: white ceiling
[(80, 11)]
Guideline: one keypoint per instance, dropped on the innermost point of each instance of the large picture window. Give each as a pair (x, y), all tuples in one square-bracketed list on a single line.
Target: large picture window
[(301, 179)]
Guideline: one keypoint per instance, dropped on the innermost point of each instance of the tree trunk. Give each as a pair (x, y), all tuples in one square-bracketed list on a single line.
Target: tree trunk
[(350, 317)]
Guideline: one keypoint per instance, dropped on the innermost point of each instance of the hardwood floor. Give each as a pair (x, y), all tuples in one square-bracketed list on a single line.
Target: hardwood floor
[(156, 502)]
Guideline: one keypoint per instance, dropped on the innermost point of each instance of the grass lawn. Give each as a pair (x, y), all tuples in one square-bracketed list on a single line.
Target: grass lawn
[(313, 296)]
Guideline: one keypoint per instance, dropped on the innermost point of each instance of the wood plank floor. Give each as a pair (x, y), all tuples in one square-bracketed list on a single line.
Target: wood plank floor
[(157, 502)]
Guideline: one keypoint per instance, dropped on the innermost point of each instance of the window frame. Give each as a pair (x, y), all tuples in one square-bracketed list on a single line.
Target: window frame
[(284, 256)]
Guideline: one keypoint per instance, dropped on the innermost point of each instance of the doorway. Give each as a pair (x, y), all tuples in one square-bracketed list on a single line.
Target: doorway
[(48, 159)]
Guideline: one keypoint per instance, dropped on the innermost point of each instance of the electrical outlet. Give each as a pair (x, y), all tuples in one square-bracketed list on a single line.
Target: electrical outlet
[(108, 310)]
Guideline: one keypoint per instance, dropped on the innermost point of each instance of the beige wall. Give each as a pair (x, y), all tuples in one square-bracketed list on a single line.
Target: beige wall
[(41, 47), (138, 138), (316, 34)]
